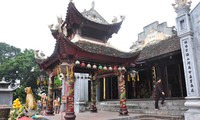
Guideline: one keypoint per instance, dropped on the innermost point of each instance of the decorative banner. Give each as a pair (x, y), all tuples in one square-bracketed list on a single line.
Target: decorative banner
[(154, 75), (121, 82), (93, 93), (133, 77), (104, 88), (128, 77), (70, 93), (138, 76), (50, 94)]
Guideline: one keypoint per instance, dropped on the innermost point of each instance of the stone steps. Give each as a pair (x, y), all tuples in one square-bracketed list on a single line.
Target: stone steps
[(171, 107), (151, 117)]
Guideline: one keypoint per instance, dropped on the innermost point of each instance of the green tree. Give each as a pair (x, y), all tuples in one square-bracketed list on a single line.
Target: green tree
[(57, 82), (7, 52), (22, 66)]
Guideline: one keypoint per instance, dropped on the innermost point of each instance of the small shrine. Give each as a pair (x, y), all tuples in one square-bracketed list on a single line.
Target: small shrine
[(6, 102)]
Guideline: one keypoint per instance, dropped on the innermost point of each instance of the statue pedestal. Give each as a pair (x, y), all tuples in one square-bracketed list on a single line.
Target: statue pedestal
[(63, 108), (123, 112), (70, 116), (93, 108), (80, 107), (49, 112), (81, 92), (4, 113), (193, 112)]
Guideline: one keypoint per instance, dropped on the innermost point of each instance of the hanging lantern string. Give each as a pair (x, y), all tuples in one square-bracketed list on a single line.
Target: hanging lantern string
[(57, 70), (67, 71), (71, 72), (138, 77), (133, 77), (128, 77)]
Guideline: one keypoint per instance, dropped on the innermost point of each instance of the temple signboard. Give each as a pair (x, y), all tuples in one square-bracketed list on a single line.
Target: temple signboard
[(195, 22)]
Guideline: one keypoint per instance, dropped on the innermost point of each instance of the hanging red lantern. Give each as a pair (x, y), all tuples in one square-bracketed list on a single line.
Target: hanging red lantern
[(82, 64), (115, 68)]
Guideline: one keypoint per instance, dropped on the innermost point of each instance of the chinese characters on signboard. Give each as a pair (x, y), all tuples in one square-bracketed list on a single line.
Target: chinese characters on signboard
[(188, 65)]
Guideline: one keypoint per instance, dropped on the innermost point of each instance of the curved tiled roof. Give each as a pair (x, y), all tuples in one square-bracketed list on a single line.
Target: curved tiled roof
[(160, 48), (103, 50), (74, 16)]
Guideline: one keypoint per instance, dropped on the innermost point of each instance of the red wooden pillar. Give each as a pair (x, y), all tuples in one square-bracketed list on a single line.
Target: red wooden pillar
[(93, 107), (122, 88), (49, 109), (69, 113)]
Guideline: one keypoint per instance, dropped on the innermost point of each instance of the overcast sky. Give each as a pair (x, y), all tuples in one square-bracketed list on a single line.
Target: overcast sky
[(24, 23)]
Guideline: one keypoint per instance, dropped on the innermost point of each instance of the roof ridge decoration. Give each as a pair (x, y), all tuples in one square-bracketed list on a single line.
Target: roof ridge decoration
[(181, 3), (93, 4), (93, 15)]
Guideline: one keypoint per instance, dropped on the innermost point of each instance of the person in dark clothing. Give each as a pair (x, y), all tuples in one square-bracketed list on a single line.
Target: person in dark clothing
[(159, 93)]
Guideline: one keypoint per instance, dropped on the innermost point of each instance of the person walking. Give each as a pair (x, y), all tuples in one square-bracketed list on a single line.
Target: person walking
[(56, 104), (159, 93), (44, 101), (39, 106)]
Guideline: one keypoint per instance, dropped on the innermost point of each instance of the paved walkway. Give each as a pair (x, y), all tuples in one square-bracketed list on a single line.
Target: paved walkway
[(105, 115)]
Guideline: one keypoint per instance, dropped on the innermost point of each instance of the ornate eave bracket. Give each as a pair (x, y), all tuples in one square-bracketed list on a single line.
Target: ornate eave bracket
[(59, 28), (39, 56)]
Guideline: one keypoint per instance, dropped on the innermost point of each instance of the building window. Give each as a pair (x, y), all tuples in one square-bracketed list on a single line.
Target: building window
[(182, 24)]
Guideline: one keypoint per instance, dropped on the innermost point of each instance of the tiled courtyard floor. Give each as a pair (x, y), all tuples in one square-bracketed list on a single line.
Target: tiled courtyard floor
[(105, 115), (100, 115)]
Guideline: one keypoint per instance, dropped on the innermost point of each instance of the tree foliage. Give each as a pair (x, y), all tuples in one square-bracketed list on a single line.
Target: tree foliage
[(19, 65), (57, 82), (7, 52)]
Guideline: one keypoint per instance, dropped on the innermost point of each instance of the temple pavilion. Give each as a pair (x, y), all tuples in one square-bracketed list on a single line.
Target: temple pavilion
[(82, 47)]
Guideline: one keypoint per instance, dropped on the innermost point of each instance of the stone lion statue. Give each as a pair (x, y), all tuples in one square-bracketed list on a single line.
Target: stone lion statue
[(30, 100)]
